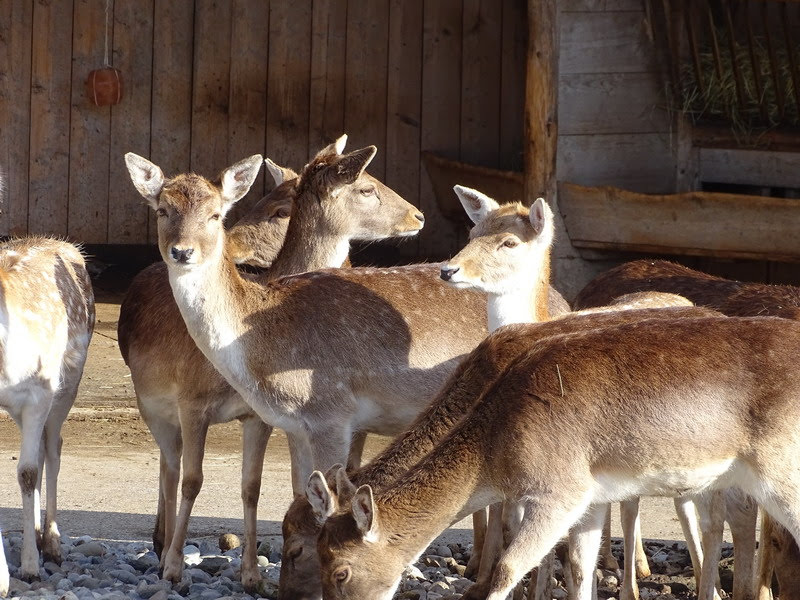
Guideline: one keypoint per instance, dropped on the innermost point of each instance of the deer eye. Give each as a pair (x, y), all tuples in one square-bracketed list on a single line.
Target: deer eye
[(510, 243), (342, 575), (161, 212), (216, 216), (368, 190), (295, 553)]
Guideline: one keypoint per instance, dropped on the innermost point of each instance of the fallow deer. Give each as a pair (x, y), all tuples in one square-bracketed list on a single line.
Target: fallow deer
[(322, 354), (180, 394), (672, 407), (46, 321)]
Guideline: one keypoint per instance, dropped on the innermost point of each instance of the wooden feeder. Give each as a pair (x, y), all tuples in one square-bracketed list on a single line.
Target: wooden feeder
[(104, 86)]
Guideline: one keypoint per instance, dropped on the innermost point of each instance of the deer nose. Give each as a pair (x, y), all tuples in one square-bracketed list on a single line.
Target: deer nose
[(420, 217), (448, 272), (181, 256)]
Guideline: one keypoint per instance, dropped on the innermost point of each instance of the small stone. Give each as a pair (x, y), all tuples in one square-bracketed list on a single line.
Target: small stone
[(68, 596), (229, 541), (558, 593), (609, 582), (191, 554), (213, 564), (160, 595), (264, 548), (90, 549)]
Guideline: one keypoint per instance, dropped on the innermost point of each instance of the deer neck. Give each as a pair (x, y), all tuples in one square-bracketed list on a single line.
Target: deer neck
[(311, 241), (526, 302)]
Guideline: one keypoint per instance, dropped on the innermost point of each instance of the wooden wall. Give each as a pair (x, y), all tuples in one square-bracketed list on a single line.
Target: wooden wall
[(208, 82)]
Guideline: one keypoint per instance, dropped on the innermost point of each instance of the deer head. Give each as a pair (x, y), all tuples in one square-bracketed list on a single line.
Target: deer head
[(191, 208)]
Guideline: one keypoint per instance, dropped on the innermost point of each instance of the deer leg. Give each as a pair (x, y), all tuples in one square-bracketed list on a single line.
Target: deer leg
[(32, 422), (255, 436), (356, 450), (478, 540), (170, 443), (609, 562), (687, 516), (711, 511), (584, 544), (629, 513), (766, 562), (51, 538), (641, 564), (741, 512), (5, 579), (194, 432), (492, 546), (540, 586), (545, 520), (300, 461)]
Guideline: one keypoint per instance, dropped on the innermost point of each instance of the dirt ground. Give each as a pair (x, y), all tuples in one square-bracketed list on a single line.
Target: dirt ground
[(109, 476)]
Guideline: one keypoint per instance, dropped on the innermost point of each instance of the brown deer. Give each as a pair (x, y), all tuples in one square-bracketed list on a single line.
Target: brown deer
[(180, 394), (46, 321), (672, 407), (373, 343)]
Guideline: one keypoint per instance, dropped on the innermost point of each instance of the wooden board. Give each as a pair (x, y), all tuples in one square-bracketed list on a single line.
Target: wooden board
[(599, 5), (694, 223), (605, 42), (49, 117), (641, 163), (130, 131), (592, 103), (171, 119), (90, 128), (328, 41), (16, 25), (750, 167), (512, 84)]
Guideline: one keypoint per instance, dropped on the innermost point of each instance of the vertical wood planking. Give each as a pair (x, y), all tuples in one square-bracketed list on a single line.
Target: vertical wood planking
[(211, 92), (365, 77), (90, 129), (16, 23), (403, 103), (130, 119), (328, 42), (248, 89), (50, 112), (288, 86), (171, 124), (441, 114), (480, 82), (512, 85)]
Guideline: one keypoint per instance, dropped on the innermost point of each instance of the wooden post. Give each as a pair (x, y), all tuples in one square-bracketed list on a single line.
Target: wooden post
[(541, 101)]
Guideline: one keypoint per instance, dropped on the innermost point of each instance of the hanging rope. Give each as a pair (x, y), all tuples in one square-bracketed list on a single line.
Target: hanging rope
[(105, 57)]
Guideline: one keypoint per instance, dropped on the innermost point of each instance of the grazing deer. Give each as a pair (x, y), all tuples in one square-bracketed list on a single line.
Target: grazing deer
[(46, 321), (671, 407), (180, 394), (321, 354)]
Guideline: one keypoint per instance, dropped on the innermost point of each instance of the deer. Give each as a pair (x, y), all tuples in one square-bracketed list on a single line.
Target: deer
[(47, 318), (582, 420), (732, 298), (374, 343), (180, 394)]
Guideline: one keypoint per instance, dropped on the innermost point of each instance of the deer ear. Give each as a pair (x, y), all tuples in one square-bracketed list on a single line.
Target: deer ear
[(344, 487), (330, 476), (319, 495), (538, 216), (477, 204), (363, 505), (237, 179), (340, 143), (279, 173), (146, 177), (352, 165)]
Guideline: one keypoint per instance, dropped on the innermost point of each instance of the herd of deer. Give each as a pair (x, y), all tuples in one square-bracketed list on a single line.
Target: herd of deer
[(666, 382)]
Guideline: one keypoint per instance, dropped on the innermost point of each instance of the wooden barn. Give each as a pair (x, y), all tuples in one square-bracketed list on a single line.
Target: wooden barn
[(559, 97)]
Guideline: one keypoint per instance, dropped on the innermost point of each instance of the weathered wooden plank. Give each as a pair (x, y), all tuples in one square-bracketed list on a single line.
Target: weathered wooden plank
[(599, 5), (750, 167), (404, 93), (512, 84), (441, 118), (480, 82), (50, 109), (130, 119), (605, 42), (641, 163), (16, 25), (90, 129), (211, 93), (288, 87), (248, 89), (612, 103), (696, 223), (365, 77), (171, 125), (328, 41)]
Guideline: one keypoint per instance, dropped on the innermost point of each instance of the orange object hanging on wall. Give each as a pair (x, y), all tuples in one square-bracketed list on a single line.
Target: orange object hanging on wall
[(104, 86)]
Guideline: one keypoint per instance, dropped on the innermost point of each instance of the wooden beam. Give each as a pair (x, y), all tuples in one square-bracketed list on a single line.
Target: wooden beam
[(541, 101)]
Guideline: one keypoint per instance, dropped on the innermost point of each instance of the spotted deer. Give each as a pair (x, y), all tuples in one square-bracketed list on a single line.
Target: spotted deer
[(180, 394), (338, 352), (46, 321), (583, 420)]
